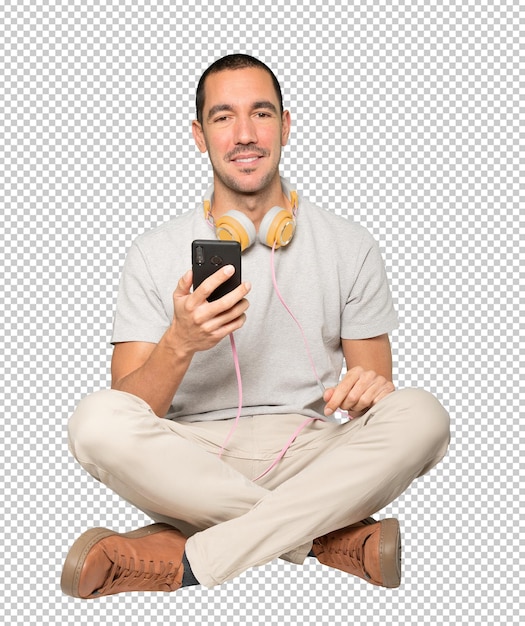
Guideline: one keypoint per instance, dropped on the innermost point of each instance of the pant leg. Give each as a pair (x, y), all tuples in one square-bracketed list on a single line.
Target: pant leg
[(372, 461), (119, 440), (171, 470), (160, 466)]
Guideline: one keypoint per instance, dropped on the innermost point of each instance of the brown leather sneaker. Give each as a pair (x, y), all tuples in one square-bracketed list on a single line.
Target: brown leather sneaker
[(368, 549), (102, 562)]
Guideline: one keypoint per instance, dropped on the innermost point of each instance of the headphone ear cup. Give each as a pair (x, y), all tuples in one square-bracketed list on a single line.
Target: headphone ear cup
[(277, 227), (235, 226)]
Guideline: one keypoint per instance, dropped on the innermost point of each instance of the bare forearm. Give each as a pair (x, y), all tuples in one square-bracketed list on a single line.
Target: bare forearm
[(368, 379), (154, 372), (156, 381)]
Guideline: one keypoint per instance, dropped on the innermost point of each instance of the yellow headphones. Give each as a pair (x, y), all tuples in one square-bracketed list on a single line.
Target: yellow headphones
[(277, 227)]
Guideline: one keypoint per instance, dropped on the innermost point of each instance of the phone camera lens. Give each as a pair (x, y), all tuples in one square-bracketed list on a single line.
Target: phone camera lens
[(199, 255)]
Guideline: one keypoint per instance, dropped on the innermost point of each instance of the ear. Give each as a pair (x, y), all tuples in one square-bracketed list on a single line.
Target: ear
[(286, 125), (198, 135)]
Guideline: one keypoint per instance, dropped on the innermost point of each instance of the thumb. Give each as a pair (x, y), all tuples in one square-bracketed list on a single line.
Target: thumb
[(329, 392), (184, 284)]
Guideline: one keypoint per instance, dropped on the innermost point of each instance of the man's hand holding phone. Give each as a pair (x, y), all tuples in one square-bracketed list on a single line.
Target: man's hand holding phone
[(199, 324)]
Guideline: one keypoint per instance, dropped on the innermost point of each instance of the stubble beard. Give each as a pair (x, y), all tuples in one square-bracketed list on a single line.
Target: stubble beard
[(245, 186)]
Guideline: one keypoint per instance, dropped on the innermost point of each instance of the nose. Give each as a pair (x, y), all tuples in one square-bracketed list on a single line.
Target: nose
[(245, 131)]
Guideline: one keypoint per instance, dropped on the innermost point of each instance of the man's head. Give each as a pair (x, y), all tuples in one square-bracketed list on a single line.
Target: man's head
[(242, 127), (232, 62)]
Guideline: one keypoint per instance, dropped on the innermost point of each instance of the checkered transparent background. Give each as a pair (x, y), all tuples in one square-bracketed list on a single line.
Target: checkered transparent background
[(406, 119)]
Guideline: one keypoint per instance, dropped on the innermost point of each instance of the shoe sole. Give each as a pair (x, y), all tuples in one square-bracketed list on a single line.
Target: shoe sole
[(390, 552), (80, 549)]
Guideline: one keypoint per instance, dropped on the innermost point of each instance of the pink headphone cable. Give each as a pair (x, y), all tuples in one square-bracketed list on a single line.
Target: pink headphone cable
[(308, 420), (239, 387), (239, 408), (276, 288)]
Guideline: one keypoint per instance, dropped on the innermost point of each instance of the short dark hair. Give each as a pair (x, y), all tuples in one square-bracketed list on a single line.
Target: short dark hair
[(233, 62)]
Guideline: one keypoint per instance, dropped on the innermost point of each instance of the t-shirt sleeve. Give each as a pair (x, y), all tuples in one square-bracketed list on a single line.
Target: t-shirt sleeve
[(140, 314), (369, 310)]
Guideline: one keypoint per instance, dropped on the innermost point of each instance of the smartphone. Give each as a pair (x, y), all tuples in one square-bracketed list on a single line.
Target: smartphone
[(208, 256)]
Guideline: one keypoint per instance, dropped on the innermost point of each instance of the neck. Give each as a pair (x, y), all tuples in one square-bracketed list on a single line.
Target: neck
[(254, 205)]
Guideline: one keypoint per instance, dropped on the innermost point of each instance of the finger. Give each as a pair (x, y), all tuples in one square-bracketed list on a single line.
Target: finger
[(208, 286), (233, 297), (223, 310), (377, 390), (360, 402), (385, 391), (232, 326), (362, 392), (184, 284), (358, 390), (330, 406), (339, 394), (328, 393), (212, 321)]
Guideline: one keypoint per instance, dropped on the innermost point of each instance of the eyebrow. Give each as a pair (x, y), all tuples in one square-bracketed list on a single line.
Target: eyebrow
[(260, 104)]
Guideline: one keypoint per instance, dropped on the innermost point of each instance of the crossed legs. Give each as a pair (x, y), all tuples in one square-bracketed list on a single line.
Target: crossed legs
[(333, 475)]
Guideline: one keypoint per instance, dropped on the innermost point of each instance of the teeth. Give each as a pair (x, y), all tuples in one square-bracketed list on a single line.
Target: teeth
[(247, 160)]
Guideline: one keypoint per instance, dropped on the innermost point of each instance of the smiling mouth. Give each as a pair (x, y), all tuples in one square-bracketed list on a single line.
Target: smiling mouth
[(247, 159), (246, 155)]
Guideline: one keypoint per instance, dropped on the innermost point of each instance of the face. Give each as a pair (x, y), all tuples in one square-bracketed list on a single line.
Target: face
[(242, 130)]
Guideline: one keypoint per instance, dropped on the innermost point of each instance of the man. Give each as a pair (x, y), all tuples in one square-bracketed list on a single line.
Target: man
[(155, 438)]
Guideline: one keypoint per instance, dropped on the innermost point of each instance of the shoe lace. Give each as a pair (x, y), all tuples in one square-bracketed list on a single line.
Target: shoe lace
[(138, 576), (349, 551)]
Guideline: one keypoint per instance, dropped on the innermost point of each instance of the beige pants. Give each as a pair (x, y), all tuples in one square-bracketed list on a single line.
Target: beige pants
[(333, 475)]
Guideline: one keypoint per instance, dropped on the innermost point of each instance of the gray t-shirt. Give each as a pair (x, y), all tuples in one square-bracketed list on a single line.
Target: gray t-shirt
[(332, 278)]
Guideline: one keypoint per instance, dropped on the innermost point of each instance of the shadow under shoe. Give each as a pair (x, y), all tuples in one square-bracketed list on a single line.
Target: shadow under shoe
[(102, 562), (368, 549)]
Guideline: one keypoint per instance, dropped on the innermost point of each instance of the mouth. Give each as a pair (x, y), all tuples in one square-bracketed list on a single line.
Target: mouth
[(246, 159)]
